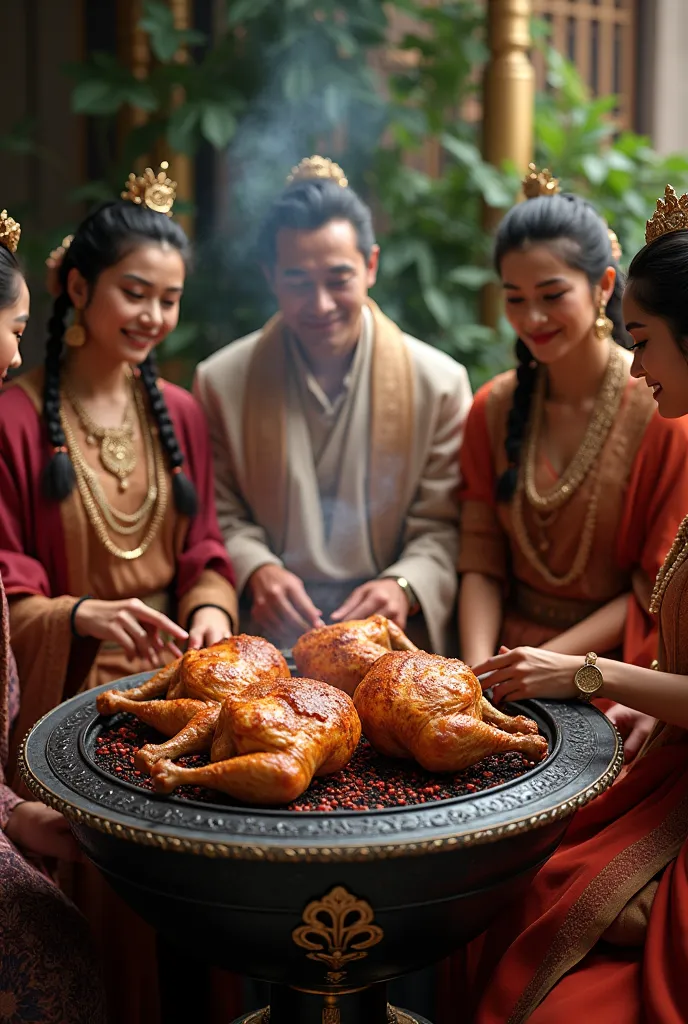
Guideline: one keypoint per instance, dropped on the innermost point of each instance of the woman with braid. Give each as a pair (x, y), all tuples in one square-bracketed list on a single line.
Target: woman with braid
[(109, 544), (573, 485)]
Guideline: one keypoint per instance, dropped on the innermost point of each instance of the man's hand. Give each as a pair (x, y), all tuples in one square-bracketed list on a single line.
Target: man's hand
[(280, 604), (634, 727), (378, 597), (35, 828)]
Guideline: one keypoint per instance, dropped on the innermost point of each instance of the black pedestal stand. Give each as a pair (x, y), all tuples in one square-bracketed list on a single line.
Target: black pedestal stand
[(368, 1006)]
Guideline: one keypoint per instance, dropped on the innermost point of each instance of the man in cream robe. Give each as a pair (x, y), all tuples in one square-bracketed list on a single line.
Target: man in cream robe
[(336, 493)]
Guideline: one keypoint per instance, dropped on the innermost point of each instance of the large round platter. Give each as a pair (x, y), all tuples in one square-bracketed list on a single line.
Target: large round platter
[(251, 884)]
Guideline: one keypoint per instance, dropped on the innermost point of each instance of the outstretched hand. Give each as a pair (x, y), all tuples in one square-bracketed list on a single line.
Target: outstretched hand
[(526, 672), (130, 623), (36, 828), (634, 726), (280, 603), (377, 597), (208, 626)]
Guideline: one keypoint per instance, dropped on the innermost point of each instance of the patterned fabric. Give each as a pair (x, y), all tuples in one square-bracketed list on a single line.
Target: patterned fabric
[(47, 971)]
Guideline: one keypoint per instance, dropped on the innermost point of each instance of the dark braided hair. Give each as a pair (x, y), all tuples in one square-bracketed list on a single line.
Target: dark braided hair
[(307, 206), (105, 237), (572, 227)]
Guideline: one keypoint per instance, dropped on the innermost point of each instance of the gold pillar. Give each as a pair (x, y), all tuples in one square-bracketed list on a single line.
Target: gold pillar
[(181, 164), (134, 50), (508, 105)]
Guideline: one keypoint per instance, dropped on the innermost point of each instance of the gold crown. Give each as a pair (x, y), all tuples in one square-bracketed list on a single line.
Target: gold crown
[(318, 167), (539, 183), (10, 231), (670, 215), (156, 191)]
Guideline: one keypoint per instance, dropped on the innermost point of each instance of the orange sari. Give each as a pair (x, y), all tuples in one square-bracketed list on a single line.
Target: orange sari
[(603, 930), (645, 490)]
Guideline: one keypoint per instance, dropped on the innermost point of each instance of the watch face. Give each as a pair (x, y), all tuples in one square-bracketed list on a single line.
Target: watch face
[(588, 679)]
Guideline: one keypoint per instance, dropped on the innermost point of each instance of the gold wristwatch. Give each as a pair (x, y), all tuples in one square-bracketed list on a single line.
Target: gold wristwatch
[(409, 593), (588, 679)]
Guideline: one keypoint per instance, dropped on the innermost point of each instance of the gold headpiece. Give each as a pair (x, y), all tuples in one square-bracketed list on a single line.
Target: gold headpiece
[(670, 215), (617, 251), (539, 183), (10, 231), (53, 263), (156, 191), (318, 167)]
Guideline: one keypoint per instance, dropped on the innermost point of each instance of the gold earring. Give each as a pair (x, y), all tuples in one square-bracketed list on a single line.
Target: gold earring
[(75, 335), (603, 325)]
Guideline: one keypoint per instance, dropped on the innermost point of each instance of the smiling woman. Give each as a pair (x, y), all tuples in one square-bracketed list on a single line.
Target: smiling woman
[(573, 485), (109, 544), (600, 934)]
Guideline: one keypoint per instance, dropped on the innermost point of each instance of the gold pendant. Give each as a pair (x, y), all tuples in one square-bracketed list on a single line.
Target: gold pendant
[(118, 455)]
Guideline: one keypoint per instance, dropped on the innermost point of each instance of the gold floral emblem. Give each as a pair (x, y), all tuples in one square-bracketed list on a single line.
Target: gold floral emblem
[(337, 930)]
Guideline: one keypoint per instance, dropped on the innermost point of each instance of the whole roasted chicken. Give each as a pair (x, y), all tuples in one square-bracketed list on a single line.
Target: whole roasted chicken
[(342, 654), (269, 741), (195, 685), (432, 709)]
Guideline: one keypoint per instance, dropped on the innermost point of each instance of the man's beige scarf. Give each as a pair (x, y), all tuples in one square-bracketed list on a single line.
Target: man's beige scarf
[(389, 446)]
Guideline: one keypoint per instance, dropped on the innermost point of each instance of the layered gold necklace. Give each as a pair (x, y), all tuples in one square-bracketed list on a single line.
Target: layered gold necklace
[(117, 448), (547, 504), (673, 561), (101, 513)]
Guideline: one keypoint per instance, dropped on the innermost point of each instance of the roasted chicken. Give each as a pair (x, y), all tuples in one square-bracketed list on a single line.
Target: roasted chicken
[(342, 654), (195, 685), (270, 740), (432, 709)]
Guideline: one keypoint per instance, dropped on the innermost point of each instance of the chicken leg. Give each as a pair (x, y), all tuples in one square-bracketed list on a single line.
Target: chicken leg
[(262, 778), (167, 716), (509, 723), (458, 741), (193, 738)]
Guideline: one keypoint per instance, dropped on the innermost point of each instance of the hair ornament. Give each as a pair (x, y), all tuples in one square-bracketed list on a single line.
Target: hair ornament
[(156, 191), (318, 167), (671, 215), (10, 231), (53, 263), (539, 183), (617, 251)]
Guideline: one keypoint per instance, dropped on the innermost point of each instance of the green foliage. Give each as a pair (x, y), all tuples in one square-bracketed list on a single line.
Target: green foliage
[(287, 78), (577, 136)]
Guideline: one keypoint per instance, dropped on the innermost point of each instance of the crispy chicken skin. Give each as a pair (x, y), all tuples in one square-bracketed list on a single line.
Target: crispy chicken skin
[(206, 675), (271, 740), (431, 709), (342, 654)]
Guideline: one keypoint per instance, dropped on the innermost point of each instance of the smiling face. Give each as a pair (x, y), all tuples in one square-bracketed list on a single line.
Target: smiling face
[(13, 320), (549, 304), (133, 304), (658, 357), (321, 281)]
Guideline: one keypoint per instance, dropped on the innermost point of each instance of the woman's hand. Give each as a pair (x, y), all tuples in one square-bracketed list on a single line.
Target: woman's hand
[(634, 727), (529, 672), (129, 623), (208, 625), (35, 828)]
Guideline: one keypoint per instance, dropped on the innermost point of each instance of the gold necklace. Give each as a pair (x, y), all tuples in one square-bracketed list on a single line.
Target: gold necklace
[(673, 561), (604, 413), (584, 548), (100, 512), (546, 506), (117, 449)]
